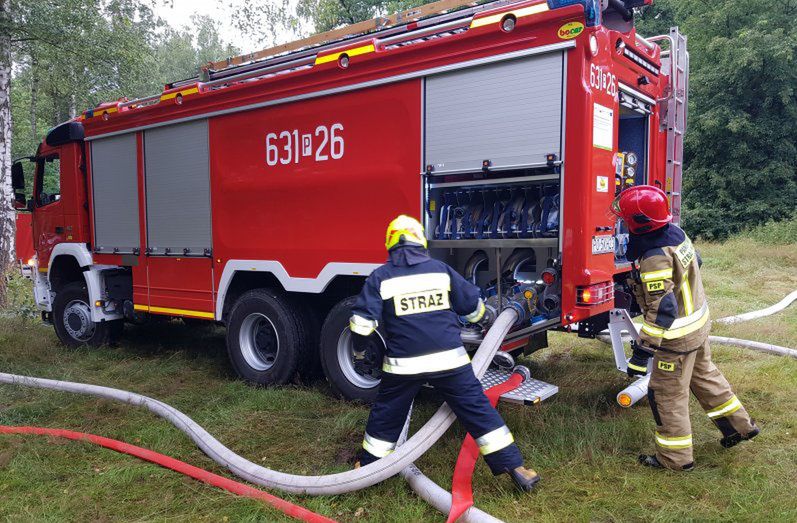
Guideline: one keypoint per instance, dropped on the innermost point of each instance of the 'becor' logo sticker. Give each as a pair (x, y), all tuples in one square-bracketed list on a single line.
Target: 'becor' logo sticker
[(570, 30)]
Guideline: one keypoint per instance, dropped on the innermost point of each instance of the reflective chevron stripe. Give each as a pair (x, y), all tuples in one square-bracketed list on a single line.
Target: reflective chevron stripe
[(435, 362)]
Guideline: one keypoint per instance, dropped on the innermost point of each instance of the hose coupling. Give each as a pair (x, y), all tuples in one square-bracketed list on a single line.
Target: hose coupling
[(524, 372)]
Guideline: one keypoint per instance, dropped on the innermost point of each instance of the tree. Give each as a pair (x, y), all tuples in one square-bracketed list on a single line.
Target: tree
[(741, 142), (70, 55), (328, 14), (7, 218)]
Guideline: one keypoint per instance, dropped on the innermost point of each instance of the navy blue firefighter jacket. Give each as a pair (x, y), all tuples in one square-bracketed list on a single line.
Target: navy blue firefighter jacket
[(417, 300)]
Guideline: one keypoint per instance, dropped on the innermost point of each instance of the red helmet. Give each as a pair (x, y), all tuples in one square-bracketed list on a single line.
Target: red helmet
[(643, 208)]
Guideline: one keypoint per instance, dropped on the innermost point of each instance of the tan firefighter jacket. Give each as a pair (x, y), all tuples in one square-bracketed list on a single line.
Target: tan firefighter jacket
[(667, 285)]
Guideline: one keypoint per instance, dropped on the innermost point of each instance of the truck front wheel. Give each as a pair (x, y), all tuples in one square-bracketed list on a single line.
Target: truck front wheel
[(72, 319), (265, 338), (337, 356)]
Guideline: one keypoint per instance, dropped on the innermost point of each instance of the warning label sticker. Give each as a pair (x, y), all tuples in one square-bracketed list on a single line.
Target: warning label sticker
[(602, 184), (602, 127)]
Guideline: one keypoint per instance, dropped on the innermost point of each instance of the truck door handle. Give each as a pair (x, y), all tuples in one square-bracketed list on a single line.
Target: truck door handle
[(59, 230)]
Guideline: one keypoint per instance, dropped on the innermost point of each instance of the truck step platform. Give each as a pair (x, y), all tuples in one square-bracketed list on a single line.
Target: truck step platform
[(530, 392)]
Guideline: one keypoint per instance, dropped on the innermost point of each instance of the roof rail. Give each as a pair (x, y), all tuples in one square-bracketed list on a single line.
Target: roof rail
[(366, 26)]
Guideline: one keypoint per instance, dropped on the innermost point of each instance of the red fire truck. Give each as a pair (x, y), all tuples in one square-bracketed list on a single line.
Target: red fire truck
[(256, 195)]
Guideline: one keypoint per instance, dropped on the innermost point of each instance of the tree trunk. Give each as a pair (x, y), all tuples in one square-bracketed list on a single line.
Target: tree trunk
[(7, 216)]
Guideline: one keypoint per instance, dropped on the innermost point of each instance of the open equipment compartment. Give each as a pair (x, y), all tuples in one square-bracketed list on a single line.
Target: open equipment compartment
[(492, 162), (632, 168)]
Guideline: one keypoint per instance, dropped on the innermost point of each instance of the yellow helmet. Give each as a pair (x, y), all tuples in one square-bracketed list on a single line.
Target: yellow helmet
[(404, 227)]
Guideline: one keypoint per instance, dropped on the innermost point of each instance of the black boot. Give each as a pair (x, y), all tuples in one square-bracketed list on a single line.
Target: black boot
[(524, 478), (736, 438), (650, 460)]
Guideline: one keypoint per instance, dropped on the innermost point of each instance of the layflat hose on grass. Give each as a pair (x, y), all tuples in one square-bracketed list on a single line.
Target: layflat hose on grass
[(235, 487), (769, 348), (752, 315), (755, 345), (330, 484)]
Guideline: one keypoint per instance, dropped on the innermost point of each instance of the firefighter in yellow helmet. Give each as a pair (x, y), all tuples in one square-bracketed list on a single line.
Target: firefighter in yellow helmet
[(418, 300), (669, 290)]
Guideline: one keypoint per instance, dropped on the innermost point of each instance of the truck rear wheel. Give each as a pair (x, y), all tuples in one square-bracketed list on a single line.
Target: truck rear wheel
[(265, 338), (337, 356), (72, 319)]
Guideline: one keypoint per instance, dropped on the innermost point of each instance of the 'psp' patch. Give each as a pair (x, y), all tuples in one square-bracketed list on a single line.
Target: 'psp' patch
[(655, 287), (666, 366), (424, 301), (685, 253)]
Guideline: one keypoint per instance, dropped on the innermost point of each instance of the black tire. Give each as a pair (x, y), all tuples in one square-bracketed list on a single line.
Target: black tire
[(72, 319), (336, 344), (265, 338), (310, 359)]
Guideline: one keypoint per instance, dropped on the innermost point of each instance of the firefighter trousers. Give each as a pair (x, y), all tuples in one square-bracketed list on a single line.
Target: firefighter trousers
[(463, 393), (674, 375)]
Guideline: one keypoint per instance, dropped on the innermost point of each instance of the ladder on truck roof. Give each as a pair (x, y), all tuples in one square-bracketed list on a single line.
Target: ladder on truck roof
[(676, 58), (423, 22)]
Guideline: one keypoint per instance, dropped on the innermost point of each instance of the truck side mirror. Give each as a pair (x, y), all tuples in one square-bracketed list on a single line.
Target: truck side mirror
[(18, 177), (20, 202)]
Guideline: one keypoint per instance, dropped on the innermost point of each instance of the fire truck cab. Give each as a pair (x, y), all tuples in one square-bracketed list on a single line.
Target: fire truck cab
[(256, 195)]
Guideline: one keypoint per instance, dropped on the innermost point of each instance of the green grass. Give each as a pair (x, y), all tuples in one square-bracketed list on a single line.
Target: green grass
[(580, 441)]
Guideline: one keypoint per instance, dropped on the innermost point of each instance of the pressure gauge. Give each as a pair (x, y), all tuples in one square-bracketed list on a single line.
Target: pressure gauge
[(630, 172), (631, 159)]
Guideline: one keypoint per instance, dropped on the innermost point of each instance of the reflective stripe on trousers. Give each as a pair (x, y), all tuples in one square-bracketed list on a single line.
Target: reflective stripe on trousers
[(726, 409), (377, 447), (435, 362), (674, 442), (495, 440)]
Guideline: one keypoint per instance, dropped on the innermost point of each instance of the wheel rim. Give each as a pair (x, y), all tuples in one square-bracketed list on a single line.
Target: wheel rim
[(77, 320), (259, 341), (373, 362)]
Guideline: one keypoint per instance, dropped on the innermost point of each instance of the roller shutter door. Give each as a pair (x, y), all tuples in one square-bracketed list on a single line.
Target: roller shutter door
[(114, 183), (178, 189), (509, 113)]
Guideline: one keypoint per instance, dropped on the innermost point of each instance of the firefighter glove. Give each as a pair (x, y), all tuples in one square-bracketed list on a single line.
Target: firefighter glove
[(638, 363), (360, 345)]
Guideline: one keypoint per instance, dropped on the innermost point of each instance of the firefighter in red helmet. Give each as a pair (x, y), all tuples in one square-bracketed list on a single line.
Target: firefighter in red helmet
[(667, 285)]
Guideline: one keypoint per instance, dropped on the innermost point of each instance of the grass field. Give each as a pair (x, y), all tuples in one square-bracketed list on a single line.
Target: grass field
[(580, 441)]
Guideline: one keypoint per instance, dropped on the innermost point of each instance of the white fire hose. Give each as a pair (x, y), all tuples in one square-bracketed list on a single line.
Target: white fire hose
[(782, 304), (399, 461), (329, 484), (639, 388)]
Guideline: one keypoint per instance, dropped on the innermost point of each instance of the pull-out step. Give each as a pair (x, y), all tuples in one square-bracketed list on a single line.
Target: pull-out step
[(530, 391)]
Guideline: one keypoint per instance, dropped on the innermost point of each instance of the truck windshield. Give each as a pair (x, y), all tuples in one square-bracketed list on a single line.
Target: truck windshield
[(48, 180)]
